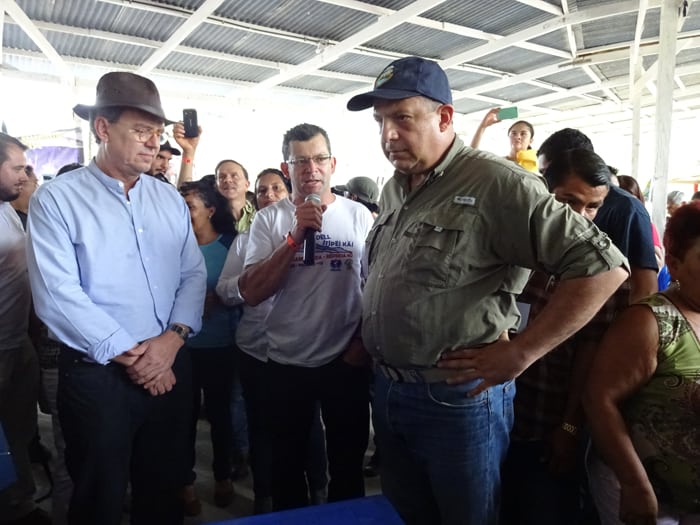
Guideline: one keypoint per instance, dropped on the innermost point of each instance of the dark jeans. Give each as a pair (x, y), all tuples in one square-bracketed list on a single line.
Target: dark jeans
[(531, 495), (256, 394), (343, 392), (116, 432), (212, 375)]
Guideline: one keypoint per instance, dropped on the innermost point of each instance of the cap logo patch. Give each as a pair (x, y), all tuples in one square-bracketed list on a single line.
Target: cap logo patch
[(384, 77)]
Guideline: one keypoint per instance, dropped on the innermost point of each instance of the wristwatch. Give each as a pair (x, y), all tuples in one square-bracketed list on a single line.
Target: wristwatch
[(181, 330)]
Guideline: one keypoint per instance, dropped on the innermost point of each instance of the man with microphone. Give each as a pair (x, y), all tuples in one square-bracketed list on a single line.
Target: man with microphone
[(313, 330)]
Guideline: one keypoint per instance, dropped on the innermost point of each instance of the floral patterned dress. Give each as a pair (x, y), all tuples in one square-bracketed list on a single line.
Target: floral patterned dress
[(664, 416)]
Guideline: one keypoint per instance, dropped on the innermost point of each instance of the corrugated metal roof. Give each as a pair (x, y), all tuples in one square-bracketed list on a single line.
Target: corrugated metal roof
[(516, 60), (358, 64), (13, 37), (79, 46), (215, 68), (328, 85), (501, 17), (104, 16), (569, 79), (462, 80), (412, 39), (249, 44), (606, 31), (248, 41), (557, 39), (471, 106), (517, 92), (306, 17)]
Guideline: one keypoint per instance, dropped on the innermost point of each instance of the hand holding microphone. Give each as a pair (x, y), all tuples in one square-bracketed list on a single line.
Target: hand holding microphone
[(310, 235), (308, 222)]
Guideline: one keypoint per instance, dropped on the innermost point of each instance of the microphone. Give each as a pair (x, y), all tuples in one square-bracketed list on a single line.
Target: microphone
[(310, 235)]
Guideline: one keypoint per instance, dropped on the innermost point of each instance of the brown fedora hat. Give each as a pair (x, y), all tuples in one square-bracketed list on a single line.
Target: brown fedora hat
[(120, 88)]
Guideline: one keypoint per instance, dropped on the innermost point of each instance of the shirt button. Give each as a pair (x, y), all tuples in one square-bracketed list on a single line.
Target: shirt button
[(140, 230), (405, 207), (374, 312)]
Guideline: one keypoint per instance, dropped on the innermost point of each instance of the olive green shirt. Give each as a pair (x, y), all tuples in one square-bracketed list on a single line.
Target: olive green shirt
[(447, 260), (247, 214)]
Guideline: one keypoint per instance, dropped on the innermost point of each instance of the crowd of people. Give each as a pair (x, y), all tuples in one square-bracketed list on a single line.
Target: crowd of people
[(522, 363)]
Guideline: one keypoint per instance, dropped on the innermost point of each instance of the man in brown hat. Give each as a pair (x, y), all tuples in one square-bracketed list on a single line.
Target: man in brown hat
[(120, 284)]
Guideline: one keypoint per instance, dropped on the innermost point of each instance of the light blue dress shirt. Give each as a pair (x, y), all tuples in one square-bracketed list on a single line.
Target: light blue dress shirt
[(108, 271)]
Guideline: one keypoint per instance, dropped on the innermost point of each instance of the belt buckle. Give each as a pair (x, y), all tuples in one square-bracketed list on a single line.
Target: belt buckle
[(415, 375)]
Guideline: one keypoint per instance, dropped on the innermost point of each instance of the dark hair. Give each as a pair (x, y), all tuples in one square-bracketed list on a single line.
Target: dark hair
[(209, 179), (6, 141), (696, 196), (567, 138), (111, 113), (222, 220), (532, 129), (682, 229), (216, 170), (275, 171), (270, 171), (68, 167), (302, 133), (582, 163), (631, 185)]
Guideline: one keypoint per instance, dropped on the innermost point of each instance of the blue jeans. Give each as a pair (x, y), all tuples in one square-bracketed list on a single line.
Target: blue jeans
[(441, 450)]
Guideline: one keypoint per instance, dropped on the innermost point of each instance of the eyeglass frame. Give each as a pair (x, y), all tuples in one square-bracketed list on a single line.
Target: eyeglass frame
[(154, 132), (319, 160)]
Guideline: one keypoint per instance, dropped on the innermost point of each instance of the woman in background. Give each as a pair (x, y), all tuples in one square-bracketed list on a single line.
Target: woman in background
[(212, 349), (520, 134), (643, 397)]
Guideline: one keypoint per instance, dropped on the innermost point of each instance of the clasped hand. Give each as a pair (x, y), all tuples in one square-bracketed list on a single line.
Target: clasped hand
[(150, 363)]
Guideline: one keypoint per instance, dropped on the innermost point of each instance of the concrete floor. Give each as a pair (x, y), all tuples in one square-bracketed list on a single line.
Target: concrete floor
[(241, 506)]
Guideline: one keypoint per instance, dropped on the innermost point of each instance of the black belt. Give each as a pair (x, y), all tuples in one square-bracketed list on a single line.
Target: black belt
[(77, 356)]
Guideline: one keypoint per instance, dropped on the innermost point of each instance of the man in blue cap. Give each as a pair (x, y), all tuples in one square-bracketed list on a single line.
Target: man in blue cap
[(448, 255)]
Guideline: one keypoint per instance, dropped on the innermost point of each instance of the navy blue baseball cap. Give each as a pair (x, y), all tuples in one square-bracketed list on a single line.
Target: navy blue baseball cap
[(404, 78)]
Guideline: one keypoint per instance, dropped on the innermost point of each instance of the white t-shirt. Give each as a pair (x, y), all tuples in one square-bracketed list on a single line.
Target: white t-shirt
[(250, 332), (15, 295), (318, 309)]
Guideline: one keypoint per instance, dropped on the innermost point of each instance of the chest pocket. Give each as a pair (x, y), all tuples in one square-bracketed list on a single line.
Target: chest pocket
[(374, 237), (440, 241)]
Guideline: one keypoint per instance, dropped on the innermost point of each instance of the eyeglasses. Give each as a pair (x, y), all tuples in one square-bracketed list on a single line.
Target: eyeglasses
[(319, 160), (144, 134)]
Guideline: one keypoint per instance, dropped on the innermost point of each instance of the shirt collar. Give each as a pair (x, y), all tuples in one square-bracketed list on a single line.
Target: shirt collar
[(439, 169), (110, 183)]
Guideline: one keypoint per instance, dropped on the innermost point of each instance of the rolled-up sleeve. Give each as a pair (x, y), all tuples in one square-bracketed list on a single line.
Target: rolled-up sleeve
[(549, 235)]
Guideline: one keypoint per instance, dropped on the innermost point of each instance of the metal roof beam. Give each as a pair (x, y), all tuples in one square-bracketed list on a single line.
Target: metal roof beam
[(579, 17), (331, 53), (19, 16), (454, 28), (688, 40), (185, 30), (569, 31), (113, 66), (542, 6)]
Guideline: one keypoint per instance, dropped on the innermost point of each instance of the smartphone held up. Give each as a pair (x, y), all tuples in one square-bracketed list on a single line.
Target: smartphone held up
[(189, 119), (507, 113)]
